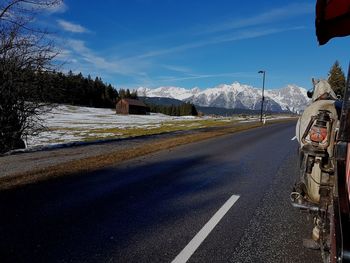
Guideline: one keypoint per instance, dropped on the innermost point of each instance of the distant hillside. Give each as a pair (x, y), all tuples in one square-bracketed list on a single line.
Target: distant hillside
[(170, 106), (206, 110), (161, 101), (224, 111)]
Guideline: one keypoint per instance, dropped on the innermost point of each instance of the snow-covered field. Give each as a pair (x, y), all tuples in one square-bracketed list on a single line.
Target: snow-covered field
[(67, 123)]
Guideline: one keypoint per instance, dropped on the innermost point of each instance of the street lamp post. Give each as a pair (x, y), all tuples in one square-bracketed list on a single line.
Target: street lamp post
[(262, 96)]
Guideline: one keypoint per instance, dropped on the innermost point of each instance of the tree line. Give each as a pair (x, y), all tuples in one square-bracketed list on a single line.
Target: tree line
[(184, 109), (75, 89)]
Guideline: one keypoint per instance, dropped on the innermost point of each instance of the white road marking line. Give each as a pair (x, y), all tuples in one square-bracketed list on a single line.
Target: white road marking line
[(188, 251), (293, 138)]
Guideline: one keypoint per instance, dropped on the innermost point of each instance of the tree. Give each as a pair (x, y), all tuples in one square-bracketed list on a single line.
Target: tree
[(25, 54), (134, 95), (337, 79), (128, 94), (173, 110)]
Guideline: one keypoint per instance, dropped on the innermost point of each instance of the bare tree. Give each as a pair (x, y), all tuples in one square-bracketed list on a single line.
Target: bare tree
[(25, 53)]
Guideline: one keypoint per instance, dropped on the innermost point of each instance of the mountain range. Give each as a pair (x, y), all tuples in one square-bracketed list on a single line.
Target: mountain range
[(236, 96)]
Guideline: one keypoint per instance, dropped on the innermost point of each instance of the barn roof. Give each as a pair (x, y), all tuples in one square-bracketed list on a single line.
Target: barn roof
[(135, 102)]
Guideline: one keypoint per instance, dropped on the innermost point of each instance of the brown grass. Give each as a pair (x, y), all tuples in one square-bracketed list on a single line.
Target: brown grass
[(112, 158)]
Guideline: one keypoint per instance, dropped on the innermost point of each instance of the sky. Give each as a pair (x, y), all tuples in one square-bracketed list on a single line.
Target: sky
[(193, 43)]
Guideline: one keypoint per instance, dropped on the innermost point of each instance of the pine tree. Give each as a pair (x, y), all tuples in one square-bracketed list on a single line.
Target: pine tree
[(194, 111), (133, 95), (128, 94), (337, 79), (122, 93)]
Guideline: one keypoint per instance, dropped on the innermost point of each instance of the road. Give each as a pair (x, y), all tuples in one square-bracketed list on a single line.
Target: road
[(221, 200)]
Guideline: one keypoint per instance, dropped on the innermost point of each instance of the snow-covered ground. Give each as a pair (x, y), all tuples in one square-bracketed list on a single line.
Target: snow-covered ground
[(86, 117), (67, 123)]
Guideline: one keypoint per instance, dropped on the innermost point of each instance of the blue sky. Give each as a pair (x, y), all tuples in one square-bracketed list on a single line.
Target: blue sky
[(193, 43)]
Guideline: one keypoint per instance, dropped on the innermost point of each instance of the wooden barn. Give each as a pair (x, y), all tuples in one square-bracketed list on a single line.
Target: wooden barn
[(131, 106)]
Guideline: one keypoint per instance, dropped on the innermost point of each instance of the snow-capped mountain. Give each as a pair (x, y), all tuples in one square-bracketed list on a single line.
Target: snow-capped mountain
[(236, 96), (290, 98), (168, 92)]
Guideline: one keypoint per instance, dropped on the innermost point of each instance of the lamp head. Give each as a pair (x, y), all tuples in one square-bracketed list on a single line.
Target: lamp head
[(261, 71)]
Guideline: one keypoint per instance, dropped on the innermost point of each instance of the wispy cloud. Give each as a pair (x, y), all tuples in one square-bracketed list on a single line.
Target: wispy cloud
[(233, 30), (206, 76), (88, 59), (179, 69), (84, 53), (271, 16), (64, 55), (71, 27), (246, 34), (60, 7)]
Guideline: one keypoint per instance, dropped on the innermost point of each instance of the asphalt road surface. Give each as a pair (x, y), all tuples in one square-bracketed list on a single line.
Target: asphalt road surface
[(221, 200)]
